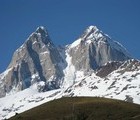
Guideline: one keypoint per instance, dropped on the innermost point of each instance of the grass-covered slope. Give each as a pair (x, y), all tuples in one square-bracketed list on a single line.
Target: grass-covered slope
[(82, 108)]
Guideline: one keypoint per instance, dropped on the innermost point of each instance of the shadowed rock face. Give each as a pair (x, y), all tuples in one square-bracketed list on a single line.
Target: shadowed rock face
[(37, 56)]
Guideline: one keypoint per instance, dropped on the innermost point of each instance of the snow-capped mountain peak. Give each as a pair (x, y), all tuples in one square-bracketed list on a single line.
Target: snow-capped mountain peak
[(93, 65), (41, 35), (91, 34), (41, 29), (97, 49), (92, 28), (36, 60), (92, 31)]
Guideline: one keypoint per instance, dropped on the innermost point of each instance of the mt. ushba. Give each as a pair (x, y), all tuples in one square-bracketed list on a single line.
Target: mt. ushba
[(93, 65)]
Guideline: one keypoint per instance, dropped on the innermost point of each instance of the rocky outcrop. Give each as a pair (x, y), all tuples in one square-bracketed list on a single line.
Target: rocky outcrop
[(108, 68)]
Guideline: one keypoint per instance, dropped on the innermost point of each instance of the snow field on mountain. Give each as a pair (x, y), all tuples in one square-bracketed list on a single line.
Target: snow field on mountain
[(115, 85), (24, 100)]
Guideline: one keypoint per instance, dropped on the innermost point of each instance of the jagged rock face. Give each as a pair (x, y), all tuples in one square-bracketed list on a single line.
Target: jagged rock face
[(108, 68), (93, 49), (36, 60)]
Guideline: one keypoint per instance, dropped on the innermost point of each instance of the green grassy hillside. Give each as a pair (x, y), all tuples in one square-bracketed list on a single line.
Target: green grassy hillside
[(82, 108)]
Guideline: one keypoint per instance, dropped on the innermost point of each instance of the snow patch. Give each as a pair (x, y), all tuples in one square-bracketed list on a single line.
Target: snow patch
[(76, 43)]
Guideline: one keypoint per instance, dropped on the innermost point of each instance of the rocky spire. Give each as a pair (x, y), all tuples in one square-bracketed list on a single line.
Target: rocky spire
[(36, 60)]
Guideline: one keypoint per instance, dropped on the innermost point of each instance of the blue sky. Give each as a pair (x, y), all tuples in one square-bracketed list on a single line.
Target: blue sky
[(66, 20)]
